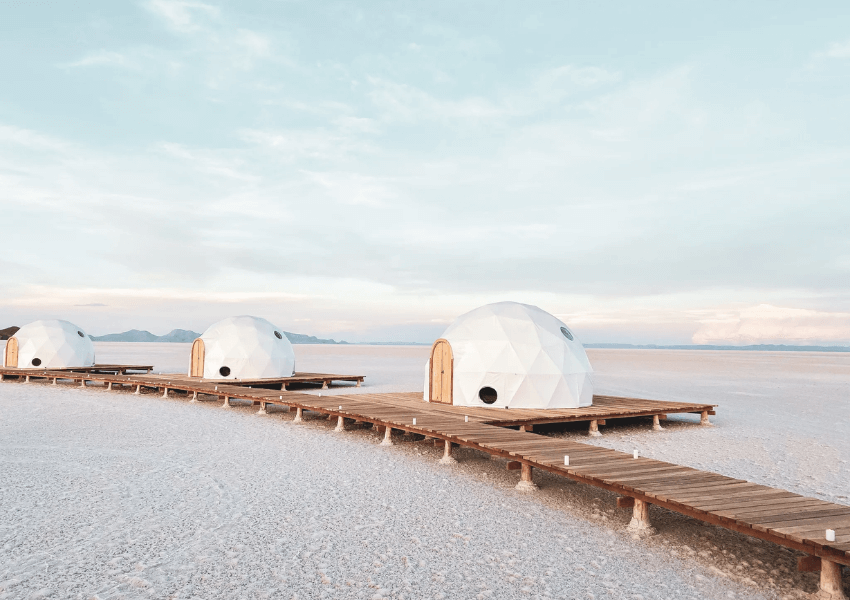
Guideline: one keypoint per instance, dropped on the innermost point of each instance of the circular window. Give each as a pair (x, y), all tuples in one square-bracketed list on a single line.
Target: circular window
[(277, 335), (488, 395), (81, 334), (225, 371), (36, 362), (567, 333)]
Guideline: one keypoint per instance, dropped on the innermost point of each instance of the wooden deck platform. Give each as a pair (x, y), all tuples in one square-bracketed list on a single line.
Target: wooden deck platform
[(772, 514), (603, 409), (324, 380)]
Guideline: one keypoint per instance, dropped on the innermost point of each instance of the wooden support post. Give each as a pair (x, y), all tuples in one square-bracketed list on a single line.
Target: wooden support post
[(325, 385), (194, 397), (808, 563), (27, 380), (831, 584), (703, 419), (299, 415), (526, 479), (54, 381), (138, 389), (526, 427), (656, 423), (359, 381), (640, 525), (340, 423), (165, 393), (82, 383), (226, 402), (109, 386), (262, 410), (594, 429), (447, 459), (388, 436)]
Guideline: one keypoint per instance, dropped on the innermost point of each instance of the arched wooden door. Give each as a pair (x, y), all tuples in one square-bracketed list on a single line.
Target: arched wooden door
[(11, 357), (440, 383), (197, 367)]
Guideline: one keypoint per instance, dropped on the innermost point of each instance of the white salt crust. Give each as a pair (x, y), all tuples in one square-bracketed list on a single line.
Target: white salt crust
[(111, 495)]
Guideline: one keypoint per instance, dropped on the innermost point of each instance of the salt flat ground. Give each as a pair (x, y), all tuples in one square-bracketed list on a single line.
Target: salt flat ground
[(111, 495)]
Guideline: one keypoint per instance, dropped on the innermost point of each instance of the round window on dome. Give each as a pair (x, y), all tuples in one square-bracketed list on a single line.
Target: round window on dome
[(488, 395), (224, 371), (81, 334), (567, 333), (36, 362), (277, 335)]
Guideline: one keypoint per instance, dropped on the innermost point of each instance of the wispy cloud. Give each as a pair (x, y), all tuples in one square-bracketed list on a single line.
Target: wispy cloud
[(836, 50), (31, 139), (102, 58), (402, 102), (774, 324), (181, 15)]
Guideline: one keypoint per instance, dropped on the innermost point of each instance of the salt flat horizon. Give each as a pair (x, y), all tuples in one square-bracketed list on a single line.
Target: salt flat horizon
[(113, 495)]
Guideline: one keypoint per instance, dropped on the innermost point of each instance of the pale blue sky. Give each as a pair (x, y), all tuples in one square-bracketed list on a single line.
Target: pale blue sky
[(666, 172)]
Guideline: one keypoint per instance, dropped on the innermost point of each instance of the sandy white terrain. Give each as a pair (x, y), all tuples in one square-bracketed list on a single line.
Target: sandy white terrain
[(111, 495)]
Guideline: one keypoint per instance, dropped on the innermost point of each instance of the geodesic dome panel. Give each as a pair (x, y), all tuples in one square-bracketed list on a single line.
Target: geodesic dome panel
[(516, 356), (53, 344), (247, 348)]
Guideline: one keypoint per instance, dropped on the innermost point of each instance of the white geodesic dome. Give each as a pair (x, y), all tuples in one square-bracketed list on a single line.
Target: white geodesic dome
[(246, 348), (529, 358), (53, 344)]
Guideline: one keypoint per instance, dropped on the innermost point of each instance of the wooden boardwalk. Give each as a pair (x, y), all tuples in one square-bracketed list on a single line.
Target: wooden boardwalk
[(603, 408), (772, 514), (106, 369), (325, 380), (322, 379)]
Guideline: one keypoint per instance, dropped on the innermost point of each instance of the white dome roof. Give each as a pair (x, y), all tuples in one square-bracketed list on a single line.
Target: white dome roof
[(246, 348), (53, 344), (529, 357)]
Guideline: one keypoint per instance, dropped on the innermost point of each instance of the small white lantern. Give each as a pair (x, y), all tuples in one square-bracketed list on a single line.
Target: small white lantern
[(830, 535), (566, 461), (635, 454)]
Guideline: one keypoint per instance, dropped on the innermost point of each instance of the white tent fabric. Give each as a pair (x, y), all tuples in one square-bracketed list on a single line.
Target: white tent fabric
[(530, 358), (53, 344), (246, 348)]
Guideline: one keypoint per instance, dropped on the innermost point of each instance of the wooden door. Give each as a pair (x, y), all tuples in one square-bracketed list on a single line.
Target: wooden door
[(197, 367), (441, 379), (11, 359)]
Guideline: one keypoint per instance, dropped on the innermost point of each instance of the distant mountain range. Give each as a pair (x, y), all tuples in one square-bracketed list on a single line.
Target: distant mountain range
[(5, 334), (185, 336), (134, 335), (757, 347)]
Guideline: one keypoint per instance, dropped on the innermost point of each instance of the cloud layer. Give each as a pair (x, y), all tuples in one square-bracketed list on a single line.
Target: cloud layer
[(376, 171)]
